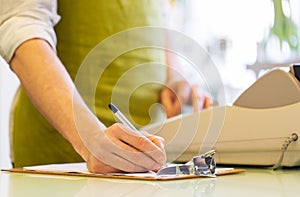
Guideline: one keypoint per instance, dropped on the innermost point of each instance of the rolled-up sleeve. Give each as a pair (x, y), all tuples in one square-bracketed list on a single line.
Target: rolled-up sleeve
[(24, 20)]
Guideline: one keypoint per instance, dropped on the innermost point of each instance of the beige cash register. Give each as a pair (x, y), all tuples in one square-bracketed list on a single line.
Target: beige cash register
[(260, 128)]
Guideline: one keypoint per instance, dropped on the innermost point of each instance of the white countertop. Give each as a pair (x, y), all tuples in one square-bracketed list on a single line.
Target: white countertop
[(253, 182)]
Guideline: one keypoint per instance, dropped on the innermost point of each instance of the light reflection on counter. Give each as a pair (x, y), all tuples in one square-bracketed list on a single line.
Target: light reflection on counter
[(253, 182)]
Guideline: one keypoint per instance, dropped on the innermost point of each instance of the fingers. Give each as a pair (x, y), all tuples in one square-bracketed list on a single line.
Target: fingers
[(158, 141), (139, 147), (181, 93), (124, 150), (119, 165), (199, 100), (170, 102), (207, 102), (94, 165)]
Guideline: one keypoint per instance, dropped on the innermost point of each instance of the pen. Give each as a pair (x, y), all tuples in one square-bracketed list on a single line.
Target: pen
[(118, 114)]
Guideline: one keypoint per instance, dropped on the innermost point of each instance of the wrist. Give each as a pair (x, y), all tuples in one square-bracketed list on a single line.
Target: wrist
[(81, 149)]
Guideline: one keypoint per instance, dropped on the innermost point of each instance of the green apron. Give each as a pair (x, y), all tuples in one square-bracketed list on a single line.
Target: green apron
[(83, 25)]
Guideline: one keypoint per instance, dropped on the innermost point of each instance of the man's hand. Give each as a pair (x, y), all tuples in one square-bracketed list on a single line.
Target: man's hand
[(180, 93), (122, 150)]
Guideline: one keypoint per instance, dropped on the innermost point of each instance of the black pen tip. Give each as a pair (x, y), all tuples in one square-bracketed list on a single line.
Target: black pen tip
[(113, 107)]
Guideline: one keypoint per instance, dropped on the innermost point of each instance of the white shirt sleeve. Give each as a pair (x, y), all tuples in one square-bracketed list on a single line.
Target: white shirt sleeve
[(23, 20)]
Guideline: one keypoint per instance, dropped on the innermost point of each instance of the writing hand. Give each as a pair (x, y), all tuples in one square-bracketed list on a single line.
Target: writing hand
[(122, 150)]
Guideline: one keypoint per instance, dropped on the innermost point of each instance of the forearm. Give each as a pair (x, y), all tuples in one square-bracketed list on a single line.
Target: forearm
[(51, 90)]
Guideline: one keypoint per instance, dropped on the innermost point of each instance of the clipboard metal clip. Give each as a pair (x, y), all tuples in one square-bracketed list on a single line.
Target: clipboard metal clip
[(201, 165)]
